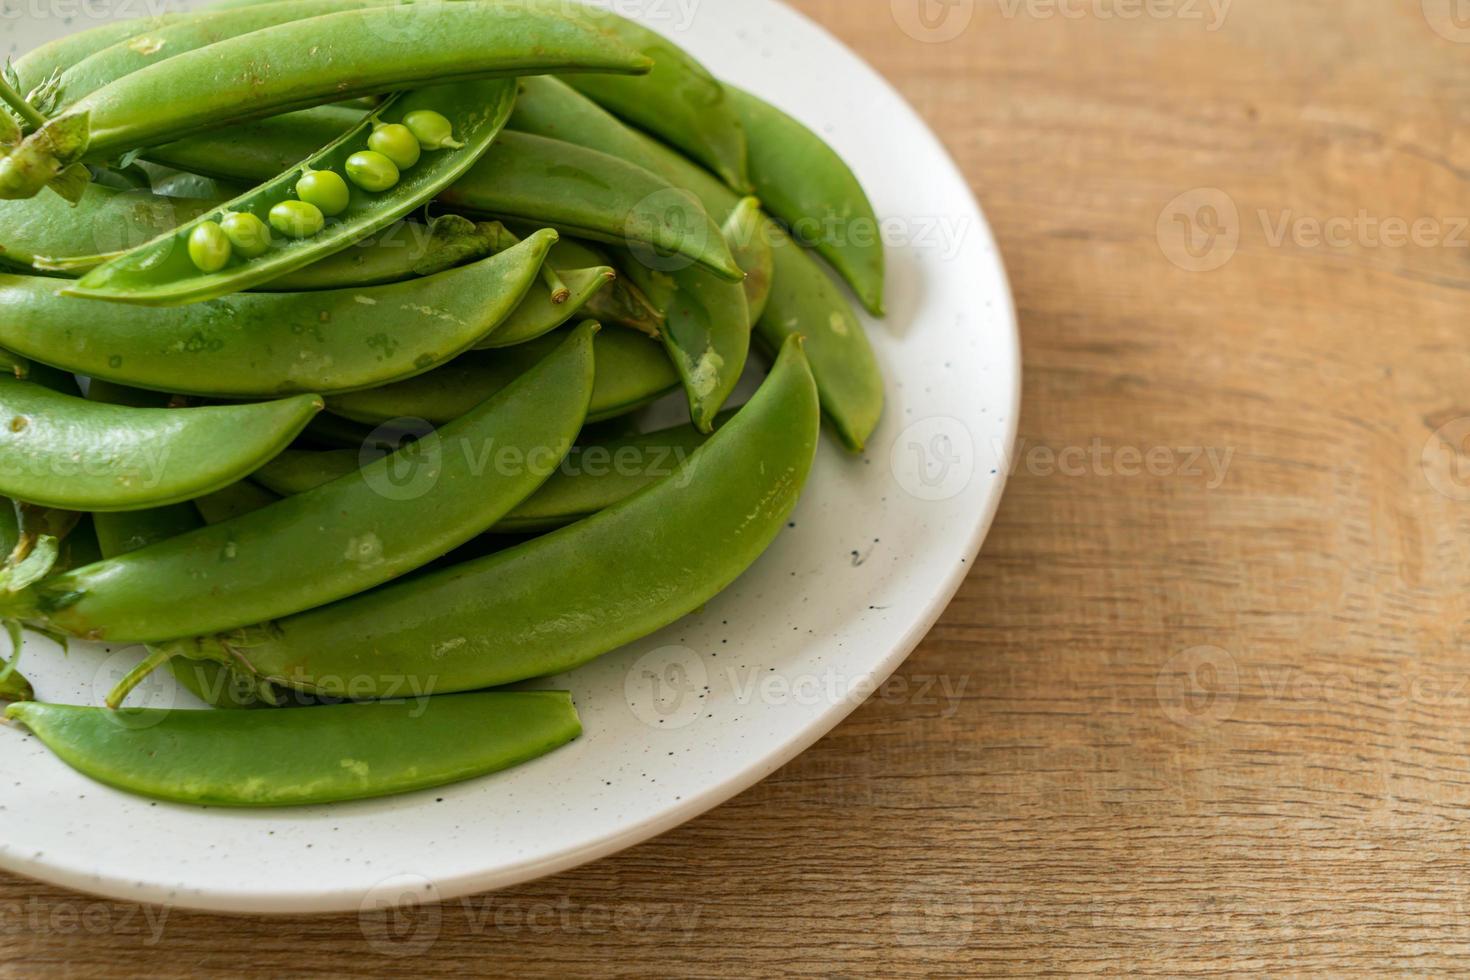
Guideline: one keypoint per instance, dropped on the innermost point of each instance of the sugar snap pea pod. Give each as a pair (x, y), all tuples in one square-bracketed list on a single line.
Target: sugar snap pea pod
[(590, 195), (539, 314), (258, 150), (803, 182), (679, 101), (235, 500), (61, 451), (260, 345), (806, 302), (631, 372), (300, 756), (162, 272), (388, 519), (369, 51), (163, 41), (39, 64), (595, 476), (402, 251), (556, 602), (47, 232)]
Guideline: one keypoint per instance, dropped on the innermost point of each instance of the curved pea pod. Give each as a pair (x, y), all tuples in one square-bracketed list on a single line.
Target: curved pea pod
[(539, 313), (258, 150), (389, 518), (679, 100), (254, 345), (554, 603), (365, 49), (803, 182), (47, 232), (62, 451), (300, 756), (402, 251), (806, 302), (38, 65), (590, 195), (161, 272), (595, 476), (631, 372), (162, 41)]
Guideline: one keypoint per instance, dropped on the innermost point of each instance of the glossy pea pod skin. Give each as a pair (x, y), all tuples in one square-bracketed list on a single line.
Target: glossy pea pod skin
[(61, 451), (559, 601), (45, 232), (261, 345), (161, 272), (301, 756), (631, 373), (803, 182), (39, 64), (307, 63), (404, 250), (384, 521)]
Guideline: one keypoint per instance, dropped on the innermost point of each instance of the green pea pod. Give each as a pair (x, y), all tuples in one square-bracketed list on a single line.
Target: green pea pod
[(579, 191), (539, 313), (388, 519), (367, 51), (556, 602), (161, 272), (631, 373), (402, 251), (61, 451), (256, 345), (234, 501), (301, 756), (806, 302), (161, 42), (812, 190), (679, 100), (594, 476), (38, 65), (46, 231)]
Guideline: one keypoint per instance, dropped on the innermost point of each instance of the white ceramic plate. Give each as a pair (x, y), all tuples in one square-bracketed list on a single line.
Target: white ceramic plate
[(688, 718)]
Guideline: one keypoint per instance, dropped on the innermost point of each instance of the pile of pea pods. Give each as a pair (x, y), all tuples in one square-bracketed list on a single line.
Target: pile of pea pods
[(306, 305)]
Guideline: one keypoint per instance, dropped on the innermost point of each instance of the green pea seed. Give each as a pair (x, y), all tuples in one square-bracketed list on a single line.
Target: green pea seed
[(396, 142), (209, 248), (433, 131), (371, 171), (250, 236), (297, 219), (324, 189)]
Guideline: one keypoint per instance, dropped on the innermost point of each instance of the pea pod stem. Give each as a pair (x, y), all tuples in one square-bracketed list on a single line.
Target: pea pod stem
[(30, 118)]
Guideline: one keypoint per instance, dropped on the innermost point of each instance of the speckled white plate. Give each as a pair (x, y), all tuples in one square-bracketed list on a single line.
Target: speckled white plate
[(688, 718)]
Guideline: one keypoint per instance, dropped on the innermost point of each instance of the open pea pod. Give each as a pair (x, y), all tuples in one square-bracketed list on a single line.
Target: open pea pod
[(253, 345), (802, 181), (388, 519), (300, 756), (554, 603), (62, 451), (595, 475), (368, 51), (162, 272), (46, 232), (631, 373), (402, 251)]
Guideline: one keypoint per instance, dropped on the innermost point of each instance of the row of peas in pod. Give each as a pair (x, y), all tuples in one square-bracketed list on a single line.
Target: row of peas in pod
[(321, 194)]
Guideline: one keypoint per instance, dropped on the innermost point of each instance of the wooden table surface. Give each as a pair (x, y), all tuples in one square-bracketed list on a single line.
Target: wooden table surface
[(1205, 702)]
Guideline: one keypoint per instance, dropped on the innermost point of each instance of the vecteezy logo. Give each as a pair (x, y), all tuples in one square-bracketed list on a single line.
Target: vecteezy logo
[(934, 459), (401, 916), (1450, 19), (414, 459), (933, 21), (933, 912), (665, 688), (1445, 460), (1198, 687), (1199, 230)]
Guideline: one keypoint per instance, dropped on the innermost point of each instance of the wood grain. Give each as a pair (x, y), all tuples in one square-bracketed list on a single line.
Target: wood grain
[(1197, 719)]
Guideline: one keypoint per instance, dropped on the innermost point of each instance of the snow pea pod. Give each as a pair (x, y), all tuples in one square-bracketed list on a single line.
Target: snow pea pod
[(558, 601), (306, 63), (253, 345), (37, 65), (405, 250), (806, 301), (61, 451), (803, 182), (46, 231), (539, 314), (373, 526), (631, 372), (300, 756), (595, 476), (162, 271)]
